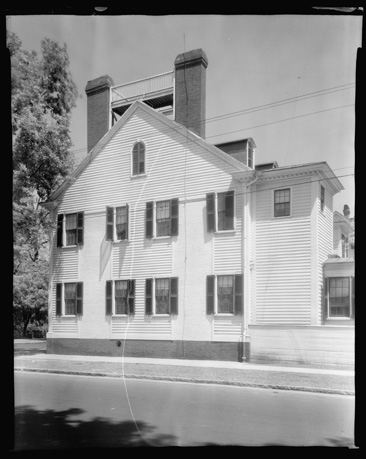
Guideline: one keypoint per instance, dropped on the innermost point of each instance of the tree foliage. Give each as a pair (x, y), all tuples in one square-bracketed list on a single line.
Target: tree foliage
[(43, 94)]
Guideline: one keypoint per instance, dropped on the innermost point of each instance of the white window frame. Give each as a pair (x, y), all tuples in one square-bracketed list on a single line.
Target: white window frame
[(216, 298), (115, 240), (155, 236), (153, 298), (63, 298), (145, 160), (351, 312), (253, 157), (273, 202), (114, 313), (216, 230)]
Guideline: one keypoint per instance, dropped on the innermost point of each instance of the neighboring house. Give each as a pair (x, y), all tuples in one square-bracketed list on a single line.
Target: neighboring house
[(168, 246)]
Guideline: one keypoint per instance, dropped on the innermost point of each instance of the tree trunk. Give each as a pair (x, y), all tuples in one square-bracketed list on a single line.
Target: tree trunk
[(26, 317)]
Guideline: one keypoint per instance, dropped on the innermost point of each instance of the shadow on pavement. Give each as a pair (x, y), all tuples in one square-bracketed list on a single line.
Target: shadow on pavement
[(49, 429)]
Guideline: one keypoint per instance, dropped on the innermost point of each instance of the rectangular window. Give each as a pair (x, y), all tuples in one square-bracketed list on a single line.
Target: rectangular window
[(122, 223), (345, 246), (163, 218), (225, 211), (340, 296), (282, 202), (224, 294), (117, 223), (166, 218), (120, 297), (322, 198), (73, 224), (72, 295), (220, 209), (71, 229), (161, 296), (250, 156)]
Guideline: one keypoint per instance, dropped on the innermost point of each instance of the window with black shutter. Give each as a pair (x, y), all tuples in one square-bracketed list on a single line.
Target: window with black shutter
[(211, 212), (60, 229), (58, 299), (210, 295), (79, 298), (149, 219), (80, 229), (225, 211), (174, 296), (109, 224), (108, 298), (131, 297), (148, 297), (239, 284), (174, 224)]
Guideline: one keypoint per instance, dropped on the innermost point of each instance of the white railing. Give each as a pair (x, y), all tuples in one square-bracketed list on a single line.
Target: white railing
[(162, 83)]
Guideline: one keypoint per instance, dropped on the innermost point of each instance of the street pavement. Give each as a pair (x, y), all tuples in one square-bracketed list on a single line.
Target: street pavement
[(281, 377)]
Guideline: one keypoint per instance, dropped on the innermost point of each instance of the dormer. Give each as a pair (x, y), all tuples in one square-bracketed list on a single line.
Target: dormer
[(242, 150)]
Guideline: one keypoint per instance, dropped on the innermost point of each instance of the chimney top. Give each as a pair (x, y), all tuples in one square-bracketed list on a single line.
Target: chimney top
[(99, 83), (191, 56)]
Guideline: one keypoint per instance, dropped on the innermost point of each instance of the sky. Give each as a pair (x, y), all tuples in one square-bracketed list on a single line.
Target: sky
[(304, 66)]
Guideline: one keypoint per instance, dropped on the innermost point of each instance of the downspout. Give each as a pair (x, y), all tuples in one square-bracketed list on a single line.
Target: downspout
[(246, 265)]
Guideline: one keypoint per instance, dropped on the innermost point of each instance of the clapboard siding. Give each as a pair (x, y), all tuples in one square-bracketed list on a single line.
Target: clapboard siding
[(283, 258), (325, 246), (177, 167), (65, 264), (230, 327), (327, 346), (62, 325)]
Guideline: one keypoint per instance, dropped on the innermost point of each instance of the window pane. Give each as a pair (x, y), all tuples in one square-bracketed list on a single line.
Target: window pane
[(71, 228), (163, 218), (162, 296), (339, 303), (225, 294), (121, 297), (282, 202), (121, 222), (138, 155), (70, 299)]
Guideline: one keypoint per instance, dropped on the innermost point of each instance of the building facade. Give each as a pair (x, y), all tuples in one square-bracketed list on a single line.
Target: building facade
[(167, 246)]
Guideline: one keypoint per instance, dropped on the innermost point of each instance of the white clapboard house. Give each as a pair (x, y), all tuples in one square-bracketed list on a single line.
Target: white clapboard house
[(168, 246)]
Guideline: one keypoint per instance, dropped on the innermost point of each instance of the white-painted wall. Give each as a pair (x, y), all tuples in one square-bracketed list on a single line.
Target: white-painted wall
[(176, 168)]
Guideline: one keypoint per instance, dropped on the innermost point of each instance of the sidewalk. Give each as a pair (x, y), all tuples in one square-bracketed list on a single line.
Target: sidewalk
[(332, 381)]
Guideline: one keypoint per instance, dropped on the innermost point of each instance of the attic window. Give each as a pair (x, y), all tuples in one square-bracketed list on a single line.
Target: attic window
[(138, 158)]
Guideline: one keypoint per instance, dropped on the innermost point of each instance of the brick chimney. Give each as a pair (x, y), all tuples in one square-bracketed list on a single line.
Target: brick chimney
[(98, 109), (190, 90)]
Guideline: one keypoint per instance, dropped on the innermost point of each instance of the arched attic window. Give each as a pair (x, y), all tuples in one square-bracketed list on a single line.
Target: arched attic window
[(138, 158)]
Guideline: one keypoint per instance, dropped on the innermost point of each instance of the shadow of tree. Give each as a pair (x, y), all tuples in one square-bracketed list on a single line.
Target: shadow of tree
[(49, 429)]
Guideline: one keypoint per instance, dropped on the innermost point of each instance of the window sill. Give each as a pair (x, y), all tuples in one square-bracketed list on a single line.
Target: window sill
[(340, 318), (230, 231), (138, 176), (224, 314), (160, 315), (282, 217)]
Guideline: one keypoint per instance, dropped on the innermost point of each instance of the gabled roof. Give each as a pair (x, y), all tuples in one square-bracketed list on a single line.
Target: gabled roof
[(237, 165)]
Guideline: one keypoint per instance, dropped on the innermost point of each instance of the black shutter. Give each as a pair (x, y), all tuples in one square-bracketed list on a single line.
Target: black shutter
[(210, 294), (80, 231), (211, 212), (110, 224), (127, 221), (174, 296), (58, 299), (148, 297), (174, 207), (79, 298), (60, 227), (131, 297), (108, 298), (229, 210), (239, 284), (149, 219)]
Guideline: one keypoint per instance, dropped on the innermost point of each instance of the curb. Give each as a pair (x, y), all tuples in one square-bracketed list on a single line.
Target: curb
[(189, 380)]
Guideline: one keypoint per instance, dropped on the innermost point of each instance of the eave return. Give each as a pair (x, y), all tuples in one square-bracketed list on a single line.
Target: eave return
[(156, 91)]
